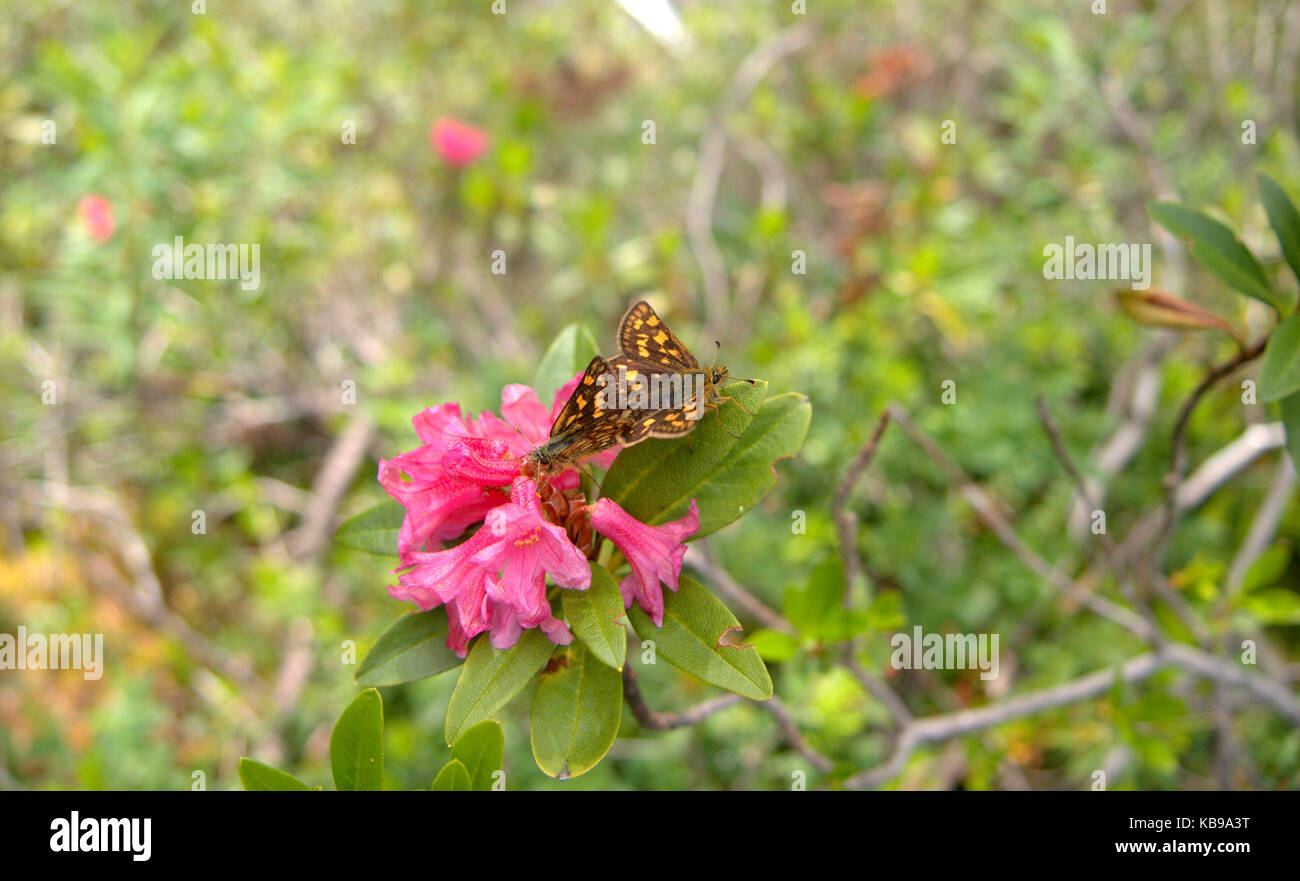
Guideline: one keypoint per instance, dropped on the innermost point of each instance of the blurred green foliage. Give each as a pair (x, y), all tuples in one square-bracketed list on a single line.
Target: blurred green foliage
[(924, 264)]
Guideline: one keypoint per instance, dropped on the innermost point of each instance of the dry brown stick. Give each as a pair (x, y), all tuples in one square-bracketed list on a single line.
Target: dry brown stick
[(846, 528), (1108, 544), (142, 592), (712, 153), (331, 482), (935, 729), (793, 735), (700, 559), (1178, 459), (657, 721), (845, 522), (992, 517)]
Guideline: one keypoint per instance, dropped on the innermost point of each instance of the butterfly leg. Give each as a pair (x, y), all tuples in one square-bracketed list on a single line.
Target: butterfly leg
[(715, 405), (722, 398)]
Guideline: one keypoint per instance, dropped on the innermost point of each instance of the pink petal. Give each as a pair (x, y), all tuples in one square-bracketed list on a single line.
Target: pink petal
[(654, 553)]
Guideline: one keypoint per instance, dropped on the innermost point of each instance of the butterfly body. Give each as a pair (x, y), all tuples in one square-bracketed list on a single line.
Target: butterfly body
[(588, 424)]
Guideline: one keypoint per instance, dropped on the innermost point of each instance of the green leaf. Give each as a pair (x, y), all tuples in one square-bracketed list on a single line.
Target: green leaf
[(596, 614), (257, 777), (1274, 605), (691, 640), (655, 481), (774, 646), (886, 611), (1219, 250), (1284, 219), (454, 777), (1279, 374), (1269, 568), (357, 744), (413, 648), (576, 712), (1291, 420), (482, 750), (490, 678), (824, 595), (374, 531), (569, 353)]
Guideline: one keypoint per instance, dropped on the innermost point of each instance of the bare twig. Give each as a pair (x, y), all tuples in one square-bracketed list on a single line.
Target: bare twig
[(1107, 543), (331, 482), (793, 736), (656, 721), (992, 517), (845, 521), (1178, 462), (700, 559), (713, 144), (1264, 526), (935, 729)]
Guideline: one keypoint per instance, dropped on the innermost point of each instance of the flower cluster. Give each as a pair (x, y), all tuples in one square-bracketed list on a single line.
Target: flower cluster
[(469, 472)]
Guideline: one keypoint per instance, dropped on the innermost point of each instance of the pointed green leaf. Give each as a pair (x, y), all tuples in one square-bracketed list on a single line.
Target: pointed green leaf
[(774, 646), (691, 639), (1291, 421), (357, 744), (655, 481), (374, 531), (1284, 219), (413, 648), (1219, 250), (568, 355), (482, 750), (1273, 605), (490, 678), (1279, 373), (1268, 569), (596, 616), (454, 777), (257, 777), (576, 712)]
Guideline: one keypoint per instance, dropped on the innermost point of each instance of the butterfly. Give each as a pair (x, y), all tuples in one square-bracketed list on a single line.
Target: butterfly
[(588, 424), (650, 348)]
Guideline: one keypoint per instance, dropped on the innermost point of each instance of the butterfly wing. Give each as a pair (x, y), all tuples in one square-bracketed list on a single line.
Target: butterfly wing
[(584, 427), (643, 336), (664, 423)]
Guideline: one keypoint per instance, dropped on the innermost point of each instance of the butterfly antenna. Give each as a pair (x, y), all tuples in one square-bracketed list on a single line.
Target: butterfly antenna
[(583, 469)]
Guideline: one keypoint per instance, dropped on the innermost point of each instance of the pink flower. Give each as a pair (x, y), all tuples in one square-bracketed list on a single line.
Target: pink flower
[(448, 484), (452, 480), (654, 552), (96, 216), (468, 471), (450, 577), (457, 143), (496, 579), (525, 549)]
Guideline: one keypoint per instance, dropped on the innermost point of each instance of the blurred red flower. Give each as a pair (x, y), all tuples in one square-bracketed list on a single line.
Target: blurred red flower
[(457, 143), (96, 216)]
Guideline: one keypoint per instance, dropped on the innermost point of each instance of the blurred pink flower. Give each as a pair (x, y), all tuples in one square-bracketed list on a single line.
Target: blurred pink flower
[(96, 216), (654, 552), (458, 143)]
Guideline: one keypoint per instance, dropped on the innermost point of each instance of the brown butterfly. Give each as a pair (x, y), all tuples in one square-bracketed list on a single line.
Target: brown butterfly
[(650, 348), (588, 423)]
